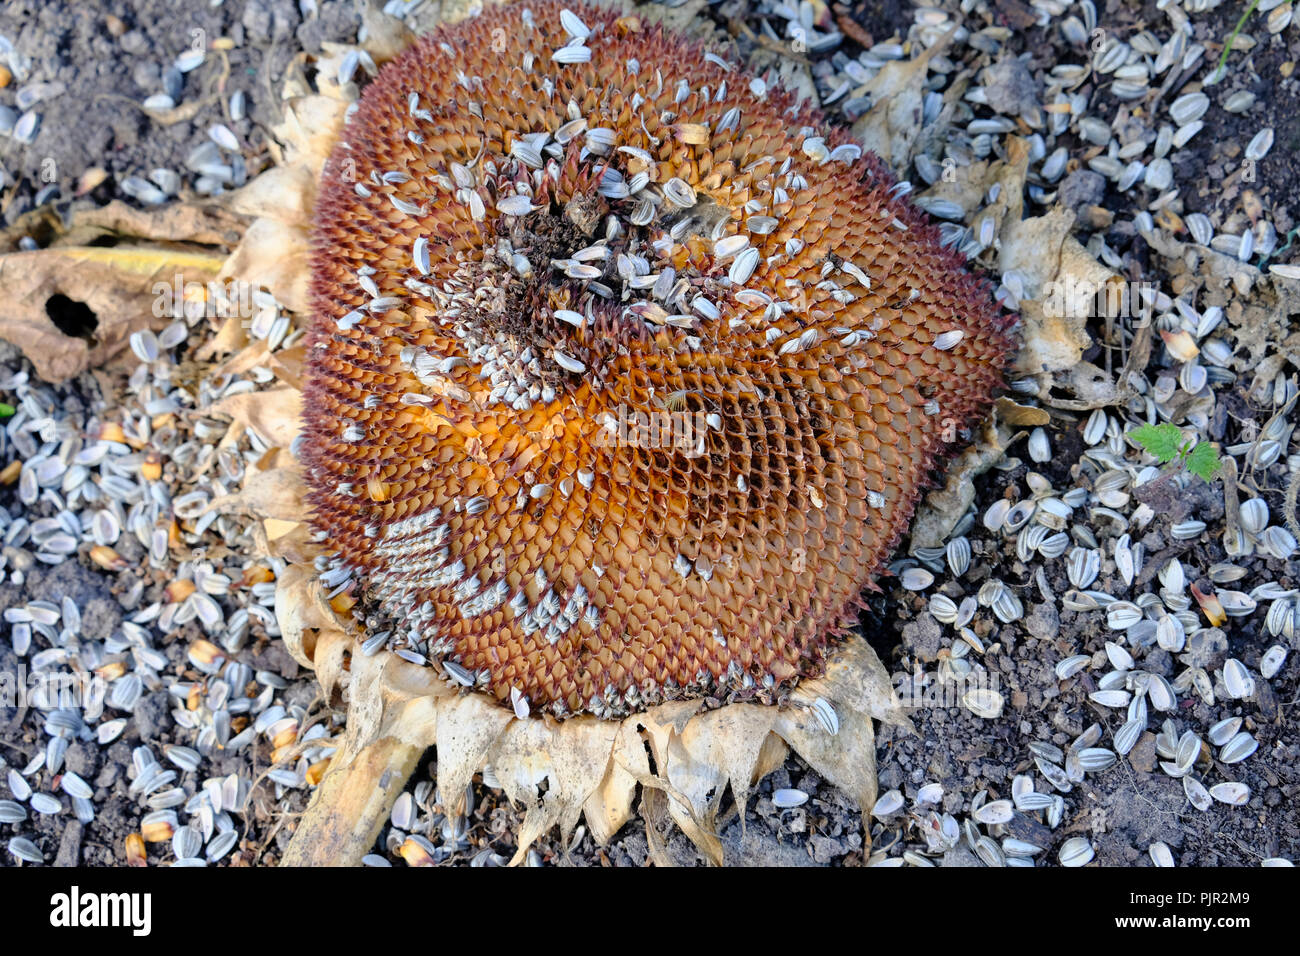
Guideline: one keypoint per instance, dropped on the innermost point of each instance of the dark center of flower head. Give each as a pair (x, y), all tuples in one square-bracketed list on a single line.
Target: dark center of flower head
[(627, 370)]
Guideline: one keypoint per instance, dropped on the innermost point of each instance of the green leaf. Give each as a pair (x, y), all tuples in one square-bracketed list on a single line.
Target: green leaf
[(1162, 441), (6, 410), (1203, 461)]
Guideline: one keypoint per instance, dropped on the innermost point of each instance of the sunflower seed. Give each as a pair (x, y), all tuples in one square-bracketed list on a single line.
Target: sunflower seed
[(958, 555), (1260, 144), (1223, 731), (25, 850), (1237, 680), (943, 609), (186, 843), (1110, 698), (891, 801), (1170, 635), (730, 246), (220, 845), (1237, 749), (788, 799), (1126, 737), (1196, 794), (74, 786), (574, 53), (1122, 615), (574, 26), (1272, 660), (744, 266), (1161, 694), (916, 579), (1119, 658), (1076, 851), (983, 702), (1279, 542), (1187, 530), (1030, 801), (45, 803), (1188, 108), (999, 811), (515, 206), (1083, 567), (220, 134), (1233, 794), (1012, 848), (1096, 759), (1070, 666)]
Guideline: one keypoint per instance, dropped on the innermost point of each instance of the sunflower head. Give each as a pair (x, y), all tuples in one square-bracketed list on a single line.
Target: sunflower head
[(626, 370)]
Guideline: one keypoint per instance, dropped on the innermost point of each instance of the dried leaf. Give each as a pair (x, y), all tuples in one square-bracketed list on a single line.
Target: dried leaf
[(855, 678), (275, 414), (1053, 267), (940, 510), (893, 124), (117, 285), (301, 609), (525, 754), (283, 193), (206, 224), (468, 726), (847, 759), (351, 806), (609, 806), (273, 493), (274, 255), (309, 130), (1020, 416)]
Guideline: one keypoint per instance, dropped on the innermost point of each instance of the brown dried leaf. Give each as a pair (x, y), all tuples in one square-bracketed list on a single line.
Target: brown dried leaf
[(847, 759), (117, 284), (275, 414), (940, 510), (893, 124), (284, 193), (610, 805), (332, 645), (1020, 416), (855, 678), (207, 225), (309, 130), (525, 754), (468, 726), (301, 608), (274, 255), (273, 493), (1050, 260), (352, 805)]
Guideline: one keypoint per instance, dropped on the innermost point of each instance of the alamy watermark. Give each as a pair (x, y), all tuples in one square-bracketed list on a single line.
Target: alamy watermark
[(212, 299), (50, 690), (922, 690), (680, 432), (1114, 298)]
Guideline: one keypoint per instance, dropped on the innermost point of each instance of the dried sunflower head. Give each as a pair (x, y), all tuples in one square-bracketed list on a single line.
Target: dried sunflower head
[(627, 370)]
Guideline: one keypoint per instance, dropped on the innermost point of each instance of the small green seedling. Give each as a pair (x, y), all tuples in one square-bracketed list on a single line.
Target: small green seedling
[(6, 410), (1227, 44), (1166, 443)]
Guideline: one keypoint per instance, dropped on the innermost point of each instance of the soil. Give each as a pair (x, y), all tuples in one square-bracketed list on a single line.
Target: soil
[(108, 57)]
